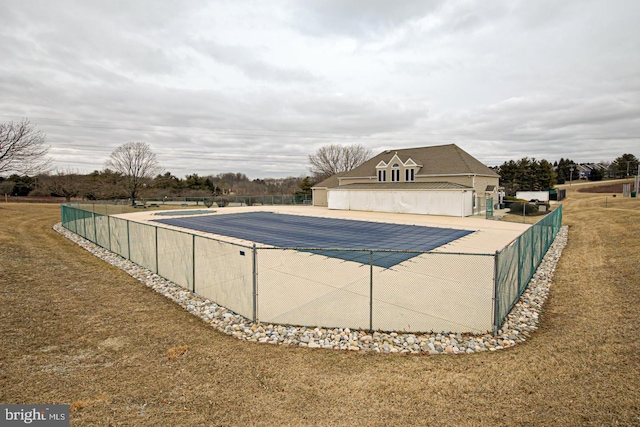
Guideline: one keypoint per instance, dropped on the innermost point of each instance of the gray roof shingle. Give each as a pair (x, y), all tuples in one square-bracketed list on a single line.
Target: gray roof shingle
[(330, 182), (436, 160)]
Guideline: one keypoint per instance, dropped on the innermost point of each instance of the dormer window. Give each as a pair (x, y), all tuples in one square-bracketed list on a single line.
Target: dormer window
[(397, 168), (395, 173), (409, 175)]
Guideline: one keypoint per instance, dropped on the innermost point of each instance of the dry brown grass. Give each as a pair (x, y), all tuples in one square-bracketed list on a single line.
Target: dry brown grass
[(605, 187), (174, 352), (529, 219), (77, 405), (77, 330)]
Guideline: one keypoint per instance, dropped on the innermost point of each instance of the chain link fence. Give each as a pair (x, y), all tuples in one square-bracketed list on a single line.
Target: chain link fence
[(516, 263), (120, 206), (330, 287)]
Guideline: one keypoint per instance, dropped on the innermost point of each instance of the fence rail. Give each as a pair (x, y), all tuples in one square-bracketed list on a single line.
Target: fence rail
[(117, 206), (332, 287)]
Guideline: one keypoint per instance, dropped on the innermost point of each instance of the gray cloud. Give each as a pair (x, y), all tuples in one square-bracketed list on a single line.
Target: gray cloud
[(358, 18), (255, 87), (249, 62)]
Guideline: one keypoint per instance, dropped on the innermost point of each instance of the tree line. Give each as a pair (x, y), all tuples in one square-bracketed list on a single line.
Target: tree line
[(132, 171), (537, 175), (107, 184)]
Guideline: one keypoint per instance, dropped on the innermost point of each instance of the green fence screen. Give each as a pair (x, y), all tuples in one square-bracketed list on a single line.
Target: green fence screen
[(286, 285), (516, 263)]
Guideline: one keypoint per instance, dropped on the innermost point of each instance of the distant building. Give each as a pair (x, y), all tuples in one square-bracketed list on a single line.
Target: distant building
[(438, 180), (585, 169)]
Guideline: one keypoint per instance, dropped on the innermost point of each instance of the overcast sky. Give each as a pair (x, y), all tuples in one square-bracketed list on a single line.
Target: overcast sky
[(257, 86)]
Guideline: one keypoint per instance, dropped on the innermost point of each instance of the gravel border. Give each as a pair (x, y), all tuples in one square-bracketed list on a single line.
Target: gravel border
[(520, 323)]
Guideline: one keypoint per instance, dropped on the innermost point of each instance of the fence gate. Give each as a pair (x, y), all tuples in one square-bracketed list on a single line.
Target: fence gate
[(489, 210)]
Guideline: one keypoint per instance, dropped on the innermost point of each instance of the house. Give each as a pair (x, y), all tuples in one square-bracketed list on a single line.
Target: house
[(437, 180), (585, 169)]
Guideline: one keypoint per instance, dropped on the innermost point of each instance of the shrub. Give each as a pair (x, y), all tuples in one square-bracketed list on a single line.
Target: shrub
[(529, 209)]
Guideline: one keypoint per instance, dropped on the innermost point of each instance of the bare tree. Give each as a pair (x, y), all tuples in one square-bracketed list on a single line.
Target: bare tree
[(332, 159), (137, 164), (105, 184), (66, 184), (22, 148)]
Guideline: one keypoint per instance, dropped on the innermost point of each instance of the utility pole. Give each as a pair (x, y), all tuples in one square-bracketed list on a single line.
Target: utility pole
[(572, 168)]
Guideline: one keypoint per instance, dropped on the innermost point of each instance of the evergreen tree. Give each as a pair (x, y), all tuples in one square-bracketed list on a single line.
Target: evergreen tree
[(305, 186), (563, 170), (625, 165), (596, 174), (22, 184), (526, 175)]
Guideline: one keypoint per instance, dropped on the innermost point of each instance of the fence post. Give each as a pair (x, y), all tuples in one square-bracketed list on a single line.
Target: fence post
[(370, 290), (128, 242), (84, 223), (255, 283), (534, 252), (157, 267), (109, 230), (193, 262), (496, 306), (519, 263), (95, 228)]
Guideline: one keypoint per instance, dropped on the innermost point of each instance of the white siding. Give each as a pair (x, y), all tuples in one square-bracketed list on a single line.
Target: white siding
[(427, 202), (319, 196), (543, 196)]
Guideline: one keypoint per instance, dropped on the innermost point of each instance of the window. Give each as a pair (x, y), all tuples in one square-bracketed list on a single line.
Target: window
[(395, 175), (382, 175), (409, 175)]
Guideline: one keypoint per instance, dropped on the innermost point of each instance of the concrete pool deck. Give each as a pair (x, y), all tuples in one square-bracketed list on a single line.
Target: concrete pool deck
[(489, 235)]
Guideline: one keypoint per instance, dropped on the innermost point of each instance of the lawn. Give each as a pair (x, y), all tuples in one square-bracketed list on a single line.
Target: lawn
[(606, 187), (78, 331)]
